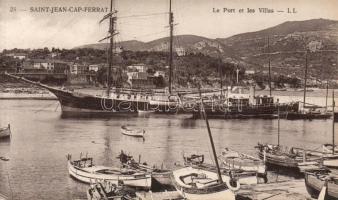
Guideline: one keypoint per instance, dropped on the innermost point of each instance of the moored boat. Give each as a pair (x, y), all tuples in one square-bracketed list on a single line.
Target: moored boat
[(234, 160), (288, 157), (105, 190), (315, 180), (159, 176), (5, 132), (307, 115), (196, 184), (84, 170), (125, 130)]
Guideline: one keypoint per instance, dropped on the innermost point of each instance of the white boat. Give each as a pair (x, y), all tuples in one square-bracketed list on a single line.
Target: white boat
[(246, 165), (235, 160), (198, 184), (84, 170), (125, 130), (5, 132)]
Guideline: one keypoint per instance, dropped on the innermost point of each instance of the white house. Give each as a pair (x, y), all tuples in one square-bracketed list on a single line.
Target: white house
[(94, 68), (159, 73), (43, 64), (138, 67)]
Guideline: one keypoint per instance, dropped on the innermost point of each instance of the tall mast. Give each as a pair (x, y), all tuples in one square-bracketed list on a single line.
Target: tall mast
[(111, 45), (211, 140), (171, 26), (305, 79), (278, 140), (327, 93), (333, 105), (269, 66), (221, 75)]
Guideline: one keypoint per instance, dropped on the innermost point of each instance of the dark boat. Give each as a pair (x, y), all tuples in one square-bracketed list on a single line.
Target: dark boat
[(315, 180), (243, 106), (79, 104), (308, 115), (5, 132), (289, 158), (160, 177)]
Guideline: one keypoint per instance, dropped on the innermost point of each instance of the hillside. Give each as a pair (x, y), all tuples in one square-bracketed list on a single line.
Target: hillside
[(128, 45), (287, 42)]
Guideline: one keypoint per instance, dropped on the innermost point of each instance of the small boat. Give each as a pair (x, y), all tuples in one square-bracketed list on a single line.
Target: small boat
[(317, 180), (234, 160), (288, 157), (125, 130), (105, 190), (307, 115), (327, 148), (196, 184), (4, 158), (243, 177), (159, 175), (193, 159), (5, 132), (84, 170)]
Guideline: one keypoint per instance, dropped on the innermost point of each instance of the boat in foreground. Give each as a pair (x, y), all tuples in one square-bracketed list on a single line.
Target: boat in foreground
[(292, 158), (197, 184), (5, 132), (84, 170), (159, 176), (125, 130), (234, 160), (315, 180), (106, 190)]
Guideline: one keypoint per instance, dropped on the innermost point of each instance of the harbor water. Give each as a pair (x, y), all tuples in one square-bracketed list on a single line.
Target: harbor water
[(41, 139)]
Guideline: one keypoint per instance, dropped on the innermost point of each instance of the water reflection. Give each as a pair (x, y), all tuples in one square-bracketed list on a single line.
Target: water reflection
[(38, 169)]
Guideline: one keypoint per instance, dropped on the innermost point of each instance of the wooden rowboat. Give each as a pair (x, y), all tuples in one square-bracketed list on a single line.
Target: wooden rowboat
[(292, 158), (196, 184), (85, 171), (5, 132), (315, 180), (159, 175), (132, 132), (233, 160), (106, 190)]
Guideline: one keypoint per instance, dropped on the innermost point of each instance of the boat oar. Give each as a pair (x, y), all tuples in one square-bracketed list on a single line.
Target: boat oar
[(322, 193)]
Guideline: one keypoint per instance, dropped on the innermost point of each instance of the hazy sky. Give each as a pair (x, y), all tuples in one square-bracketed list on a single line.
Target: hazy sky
[(26, 28)]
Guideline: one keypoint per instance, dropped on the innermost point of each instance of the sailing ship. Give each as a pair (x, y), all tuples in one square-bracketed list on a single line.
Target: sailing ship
[(122, 101), (5, 132), (194, 183), (85, 171)]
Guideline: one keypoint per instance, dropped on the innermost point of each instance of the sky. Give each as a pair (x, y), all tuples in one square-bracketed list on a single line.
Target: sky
[(23, 24)]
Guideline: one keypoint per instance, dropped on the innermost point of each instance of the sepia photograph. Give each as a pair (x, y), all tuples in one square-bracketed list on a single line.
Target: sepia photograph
[(168, 99)]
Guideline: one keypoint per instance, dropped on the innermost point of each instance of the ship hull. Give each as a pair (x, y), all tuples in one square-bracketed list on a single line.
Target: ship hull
[(243, 112), (76, 104)]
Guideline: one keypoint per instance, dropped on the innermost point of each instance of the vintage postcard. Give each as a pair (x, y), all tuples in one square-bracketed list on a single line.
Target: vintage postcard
[(168, 99)]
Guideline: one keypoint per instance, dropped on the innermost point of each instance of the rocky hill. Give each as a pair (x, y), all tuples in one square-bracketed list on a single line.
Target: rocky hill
[(287, 44)]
